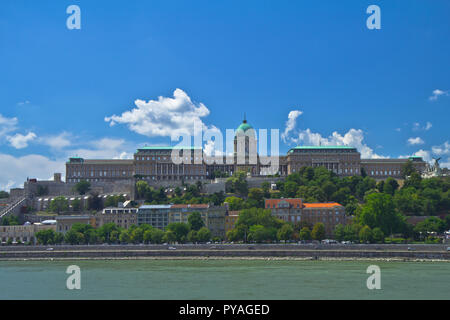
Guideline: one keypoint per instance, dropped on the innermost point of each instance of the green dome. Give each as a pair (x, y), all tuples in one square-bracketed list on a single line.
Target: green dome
[(244, 127)]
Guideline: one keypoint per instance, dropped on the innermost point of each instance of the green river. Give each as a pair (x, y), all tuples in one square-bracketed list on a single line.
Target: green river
[(223, 279)]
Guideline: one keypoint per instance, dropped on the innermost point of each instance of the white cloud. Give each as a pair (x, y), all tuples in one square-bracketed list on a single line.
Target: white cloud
[(443, 149), (22, 103), (290, 123), (437, 93), (20, 141), (426, 155), (105, 148), (415, 141), (7, 125), (353, 138), (16, 170), (398, 129), (58, 142), (417, 126), (166, 116)]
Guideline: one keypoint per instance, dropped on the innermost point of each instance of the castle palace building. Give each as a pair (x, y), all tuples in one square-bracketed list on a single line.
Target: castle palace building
[(173, 165)]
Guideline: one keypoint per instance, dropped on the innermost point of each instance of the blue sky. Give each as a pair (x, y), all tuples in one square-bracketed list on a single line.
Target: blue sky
[(313, 60)]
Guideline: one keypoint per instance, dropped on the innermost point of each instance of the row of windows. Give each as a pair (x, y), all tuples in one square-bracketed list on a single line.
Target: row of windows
[(385, 173), (175, 159), (113, 173)]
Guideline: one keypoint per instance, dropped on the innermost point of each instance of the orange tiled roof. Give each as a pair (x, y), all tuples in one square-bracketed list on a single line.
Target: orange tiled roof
[(292, 201), (322, 205)]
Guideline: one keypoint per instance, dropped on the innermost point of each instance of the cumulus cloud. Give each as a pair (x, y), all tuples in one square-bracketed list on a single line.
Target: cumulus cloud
[(291, 123), (437, 93), (352, 138), (105, 148), (443, 149), (417, 126), (7, 125), (58, 142), (426, 155), (20, 141), (415, 141), (16, 170), (170, 117)]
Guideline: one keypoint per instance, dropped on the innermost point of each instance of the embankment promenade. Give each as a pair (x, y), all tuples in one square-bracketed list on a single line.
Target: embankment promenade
[(412, 252)]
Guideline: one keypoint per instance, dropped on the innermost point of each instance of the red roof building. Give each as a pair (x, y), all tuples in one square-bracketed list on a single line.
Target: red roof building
[(294, 210)]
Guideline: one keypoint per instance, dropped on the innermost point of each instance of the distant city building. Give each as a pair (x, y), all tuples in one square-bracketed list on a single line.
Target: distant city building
[(122, 217), (294, 210), (65, 223), (155, 164), (230, 220), (24, 234), (159, 216)]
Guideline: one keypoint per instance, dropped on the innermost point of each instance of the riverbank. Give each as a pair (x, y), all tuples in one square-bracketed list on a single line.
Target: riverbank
[(240, 252)]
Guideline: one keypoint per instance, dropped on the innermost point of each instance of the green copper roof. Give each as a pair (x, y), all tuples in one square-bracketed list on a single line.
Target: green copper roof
[(321, 148), (244, 126)]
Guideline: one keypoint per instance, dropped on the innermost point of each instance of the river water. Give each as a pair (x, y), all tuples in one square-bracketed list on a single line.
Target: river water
[(223, 279)]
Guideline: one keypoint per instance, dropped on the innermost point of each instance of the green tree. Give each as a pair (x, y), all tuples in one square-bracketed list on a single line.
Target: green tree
[(290, 189), (124, 236), (365, 234), (318, 231), (137, 235), (339, 232), (285, 232), (305, 234), (180, 230), (82, 187), (157, 236), (407, 169), (204, 234), (73, 237), (379, 211), (390, 186), (378, 235), (45, 237), (195, 221), (59, 204), (142, 188), (259, 233), (235, 203), (431, 224), (192, 236), (169, 236), (257, 195), (58, 238), (237, 183)]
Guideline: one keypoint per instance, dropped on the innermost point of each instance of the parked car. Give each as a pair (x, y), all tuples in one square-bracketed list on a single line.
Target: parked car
[(172, 248)]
